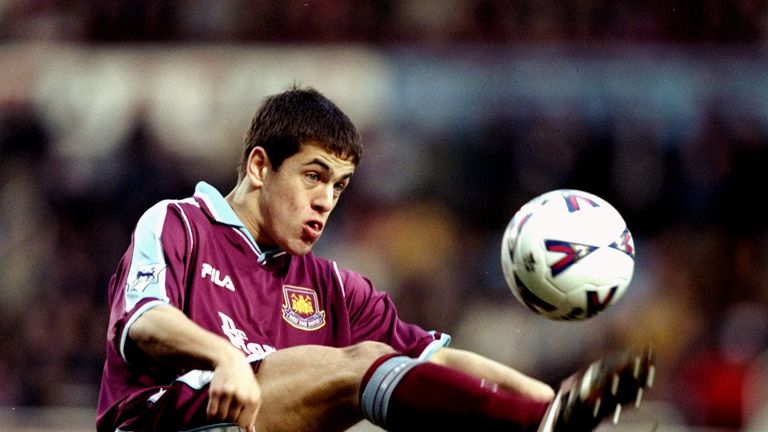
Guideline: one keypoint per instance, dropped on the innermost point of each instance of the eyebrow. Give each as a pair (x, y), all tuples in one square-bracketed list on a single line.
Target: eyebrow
[(318, 161), (325, 166)]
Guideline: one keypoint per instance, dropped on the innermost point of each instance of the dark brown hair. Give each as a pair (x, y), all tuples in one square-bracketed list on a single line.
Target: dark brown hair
[(287, 120)]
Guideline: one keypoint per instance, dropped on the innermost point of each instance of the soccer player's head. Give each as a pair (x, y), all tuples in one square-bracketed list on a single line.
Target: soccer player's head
[(298, 116), (300, 154)]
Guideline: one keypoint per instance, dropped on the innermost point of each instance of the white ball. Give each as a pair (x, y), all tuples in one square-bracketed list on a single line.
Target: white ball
[(567, 255)]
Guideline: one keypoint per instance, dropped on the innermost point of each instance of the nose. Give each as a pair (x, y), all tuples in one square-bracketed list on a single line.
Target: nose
[(324, 200)]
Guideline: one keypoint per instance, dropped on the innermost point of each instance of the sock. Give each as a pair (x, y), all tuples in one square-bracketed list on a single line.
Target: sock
[(400, 393)]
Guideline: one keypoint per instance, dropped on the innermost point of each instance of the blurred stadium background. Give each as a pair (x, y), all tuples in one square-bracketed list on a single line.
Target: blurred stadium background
[(468, 109)]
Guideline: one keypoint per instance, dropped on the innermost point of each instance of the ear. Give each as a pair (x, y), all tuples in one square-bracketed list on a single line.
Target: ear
[(258, 164)]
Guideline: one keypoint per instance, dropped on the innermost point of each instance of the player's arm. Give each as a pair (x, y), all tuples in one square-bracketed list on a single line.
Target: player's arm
[(493, 371), (164, 334)]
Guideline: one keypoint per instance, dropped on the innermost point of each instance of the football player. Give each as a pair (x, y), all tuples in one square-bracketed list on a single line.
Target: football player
[(220, 314)]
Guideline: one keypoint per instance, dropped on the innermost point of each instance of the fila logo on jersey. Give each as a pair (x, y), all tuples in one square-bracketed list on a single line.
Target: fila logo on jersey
[(215, 276)]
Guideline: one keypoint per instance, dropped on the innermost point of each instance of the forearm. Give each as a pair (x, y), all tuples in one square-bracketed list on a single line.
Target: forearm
[(164, 334), (493, 371)]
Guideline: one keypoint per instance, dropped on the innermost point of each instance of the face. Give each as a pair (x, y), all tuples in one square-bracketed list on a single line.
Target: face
[(296, 200)]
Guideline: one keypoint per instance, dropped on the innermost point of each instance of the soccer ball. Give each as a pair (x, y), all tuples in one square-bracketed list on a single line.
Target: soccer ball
[(567, 255)]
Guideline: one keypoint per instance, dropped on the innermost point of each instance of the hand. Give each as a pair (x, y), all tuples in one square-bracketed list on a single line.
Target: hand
[(234, 394), (518, 382)]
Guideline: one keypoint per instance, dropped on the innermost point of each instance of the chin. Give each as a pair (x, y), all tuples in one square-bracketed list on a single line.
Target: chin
[(299, 250)]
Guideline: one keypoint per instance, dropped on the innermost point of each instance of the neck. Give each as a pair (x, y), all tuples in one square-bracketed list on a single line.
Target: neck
[(243, 202)]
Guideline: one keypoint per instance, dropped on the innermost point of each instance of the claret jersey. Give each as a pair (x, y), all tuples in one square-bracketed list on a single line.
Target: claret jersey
[(195, 254)]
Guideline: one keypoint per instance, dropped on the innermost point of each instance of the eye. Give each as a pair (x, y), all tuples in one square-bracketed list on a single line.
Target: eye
[(339, 187), (312, 176)]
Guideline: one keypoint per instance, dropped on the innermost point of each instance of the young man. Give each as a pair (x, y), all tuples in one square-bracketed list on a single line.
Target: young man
[(220, 313)]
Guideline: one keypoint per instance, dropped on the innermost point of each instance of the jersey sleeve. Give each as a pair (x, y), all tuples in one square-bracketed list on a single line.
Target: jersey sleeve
[(151, 272), (373, 316)]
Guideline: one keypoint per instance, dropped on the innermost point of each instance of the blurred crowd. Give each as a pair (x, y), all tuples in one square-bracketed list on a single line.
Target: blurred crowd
[(384, 21), (425, 214)]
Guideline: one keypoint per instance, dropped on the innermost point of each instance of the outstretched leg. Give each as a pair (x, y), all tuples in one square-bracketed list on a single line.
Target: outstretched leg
[(315, 388)]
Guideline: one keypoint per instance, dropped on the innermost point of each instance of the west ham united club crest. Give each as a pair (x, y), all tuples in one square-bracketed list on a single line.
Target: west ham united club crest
[(301, 308)]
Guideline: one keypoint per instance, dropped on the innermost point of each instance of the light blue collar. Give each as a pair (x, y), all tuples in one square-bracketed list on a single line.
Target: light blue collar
[(218, 205)]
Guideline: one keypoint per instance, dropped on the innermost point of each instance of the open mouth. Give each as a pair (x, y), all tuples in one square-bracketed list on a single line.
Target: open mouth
[(314, 228)]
